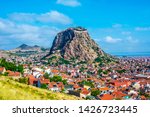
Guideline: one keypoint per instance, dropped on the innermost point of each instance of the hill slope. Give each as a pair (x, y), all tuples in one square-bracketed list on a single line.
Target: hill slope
[(12, 90)]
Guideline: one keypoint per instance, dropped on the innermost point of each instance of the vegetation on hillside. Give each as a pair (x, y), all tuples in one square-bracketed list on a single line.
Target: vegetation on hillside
[(11, 66), (87, 83), (55, 78), (105, 59), (12, 90)]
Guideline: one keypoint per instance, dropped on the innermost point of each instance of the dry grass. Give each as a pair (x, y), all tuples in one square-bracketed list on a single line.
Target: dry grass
[(12, 90)]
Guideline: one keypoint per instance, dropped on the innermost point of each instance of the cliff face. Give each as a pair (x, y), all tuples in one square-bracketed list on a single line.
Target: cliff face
[(75, 43)]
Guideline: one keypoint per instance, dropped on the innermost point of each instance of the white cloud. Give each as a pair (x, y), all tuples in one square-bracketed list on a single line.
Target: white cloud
[(110, 39), (31, 28), (142, 28), (12, 32), (49, 17), (71, 3), (54, 16), (26, 17)]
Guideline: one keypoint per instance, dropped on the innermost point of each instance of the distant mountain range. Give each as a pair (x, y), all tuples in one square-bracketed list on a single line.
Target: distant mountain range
[(26, 50), (24, 46)]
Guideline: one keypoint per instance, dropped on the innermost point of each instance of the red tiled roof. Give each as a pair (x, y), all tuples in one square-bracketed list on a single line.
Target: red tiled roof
[(85, 91), (10, 73), (76, 86), (32, 79), (71, 83), (2, 69), (143, 97), (64, 76), (121, 83), (25, 65), (55, 71), (118, 94), (60, 85), (44, 81), (51, 84), (104, 89), (107, 97)]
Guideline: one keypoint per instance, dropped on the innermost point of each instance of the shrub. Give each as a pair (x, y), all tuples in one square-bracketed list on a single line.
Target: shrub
[(56, 79), (44, 86), (23, 80), (46, 75), (95, 92), (6, 74)]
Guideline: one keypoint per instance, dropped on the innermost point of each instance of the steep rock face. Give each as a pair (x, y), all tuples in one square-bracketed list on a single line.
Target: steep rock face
[(75, 43)]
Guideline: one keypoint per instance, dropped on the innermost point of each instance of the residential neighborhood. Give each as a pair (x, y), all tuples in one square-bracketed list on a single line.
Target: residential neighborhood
[(129, 79)]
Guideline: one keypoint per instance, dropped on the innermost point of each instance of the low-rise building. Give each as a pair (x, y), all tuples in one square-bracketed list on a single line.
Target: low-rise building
[(2, 70)]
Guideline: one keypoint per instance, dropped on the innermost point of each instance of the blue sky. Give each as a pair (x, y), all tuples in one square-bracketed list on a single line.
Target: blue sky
[(116, 25)]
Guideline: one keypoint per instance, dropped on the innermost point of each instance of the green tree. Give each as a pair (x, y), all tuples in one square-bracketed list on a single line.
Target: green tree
[(44, 86), (46, 75), (98, 59), (64, 82), (95, 92), (20, 68), (105, 72), (87, 83), (11, 66), (82, 69), (121, 71), (56, 79), (100, 71)]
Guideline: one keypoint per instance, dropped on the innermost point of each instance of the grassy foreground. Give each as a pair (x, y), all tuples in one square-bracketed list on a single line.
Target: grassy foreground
[(12, 90)]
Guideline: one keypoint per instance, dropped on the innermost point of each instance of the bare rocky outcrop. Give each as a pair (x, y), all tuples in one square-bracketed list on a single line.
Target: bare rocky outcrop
[(75, 43)]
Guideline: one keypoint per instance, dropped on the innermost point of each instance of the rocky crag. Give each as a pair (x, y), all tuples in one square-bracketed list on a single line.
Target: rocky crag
[(75, 43)]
